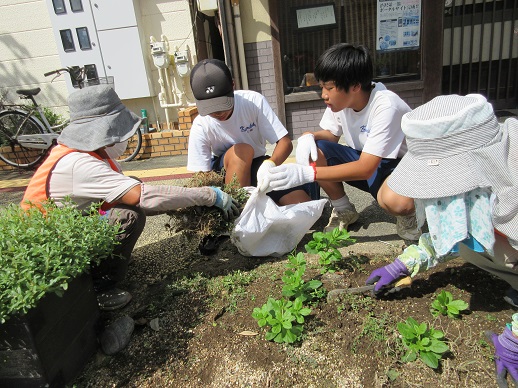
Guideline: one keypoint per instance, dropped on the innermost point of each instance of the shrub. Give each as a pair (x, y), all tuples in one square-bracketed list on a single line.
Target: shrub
[(41, 252)]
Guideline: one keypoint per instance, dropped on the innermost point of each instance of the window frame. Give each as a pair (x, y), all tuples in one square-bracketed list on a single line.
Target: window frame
[(80, 39), (67, 31)]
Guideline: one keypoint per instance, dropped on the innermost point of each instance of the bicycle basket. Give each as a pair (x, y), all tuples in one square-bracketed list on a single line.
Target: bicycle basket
[(100, 81)]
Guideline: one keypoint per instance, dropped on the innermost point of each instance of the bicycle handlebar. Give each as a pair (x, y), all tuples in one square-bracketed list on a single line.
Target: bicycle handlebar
[(58, 71)]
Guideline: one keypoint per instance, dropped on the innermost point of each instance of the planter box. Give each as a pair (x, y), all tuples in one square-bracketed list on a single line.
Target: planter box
[(50, 345)]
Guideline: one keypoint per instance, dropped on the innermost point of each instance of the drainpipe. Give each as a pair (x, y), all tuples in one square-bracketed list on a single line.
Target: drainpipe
[(224, 32), (240, 44), (234, 67)]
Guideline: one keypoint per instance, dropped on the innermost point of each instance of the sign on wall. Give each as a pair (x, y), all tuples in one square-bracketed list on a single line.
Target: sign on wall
[(316, 16), (399, 24)]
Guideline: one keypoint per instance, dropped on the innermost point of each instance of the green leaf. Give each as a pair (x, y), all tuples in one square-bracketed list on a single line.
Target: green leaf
[(460, 305), (409, 356), (430, 359), (438, 346)]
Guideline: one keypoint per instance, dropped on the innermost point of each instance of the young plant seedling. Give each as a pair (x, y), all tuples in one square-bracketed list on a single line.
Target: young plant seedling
[(325, 244), (422, 342), (445, 305), (284, 317), (294, 284)]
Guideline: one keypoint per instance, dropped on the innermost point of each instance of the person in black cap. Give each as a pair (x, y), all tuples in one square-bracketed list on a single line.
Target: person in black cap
[(232, 129)]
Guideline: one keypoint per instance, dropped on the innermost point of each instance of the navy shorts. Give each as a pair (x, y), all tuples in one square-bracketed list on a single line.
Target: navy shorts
[(217, 165), (339, 154)]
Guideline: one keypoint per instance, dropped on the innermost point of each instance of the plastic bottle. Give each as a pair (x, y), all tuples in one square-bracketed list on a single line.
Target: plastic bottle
[(144, 125)]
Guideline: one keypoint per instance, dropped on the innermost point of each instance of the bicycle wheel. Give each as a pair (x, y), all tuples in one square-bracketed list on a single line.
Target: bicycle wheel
[(134, 145), (11, 152)]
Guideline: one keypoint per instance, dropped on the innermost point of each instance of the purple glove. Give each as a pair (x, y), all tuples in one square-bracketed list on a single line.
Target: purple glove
[(506, 356), (387, 275)]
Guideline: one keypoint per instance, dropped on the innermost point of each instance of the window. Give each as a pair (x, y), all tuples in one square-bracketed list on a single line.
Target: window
[(83, 38), (67, 40), (307, 29), (59, 6), (76, 5)]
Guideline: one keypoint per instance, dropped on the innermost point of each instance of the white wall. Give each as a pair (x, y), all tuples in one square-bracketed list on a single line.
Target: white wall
[(28, 49)]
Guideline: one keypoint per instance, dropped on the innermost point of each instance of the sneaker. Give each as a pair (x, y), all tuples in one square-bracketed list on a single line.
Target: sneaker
[(406, 227), (117, 336), (341, 219), (113, 299), (511, 297)]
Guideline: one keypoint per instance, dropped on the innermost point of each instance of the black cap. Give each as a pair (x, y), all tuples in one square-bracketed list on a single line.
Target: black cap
[(212, 86)]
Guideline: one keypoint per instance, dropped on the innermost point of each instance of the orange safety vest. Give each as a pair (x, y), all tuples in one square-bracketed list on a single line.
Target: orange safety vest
[(37, 191)]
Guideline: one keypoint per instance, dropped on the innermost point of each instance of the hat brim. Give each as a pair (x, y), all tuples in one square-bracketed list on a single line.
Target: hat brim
[(217, 104), (84, 134), (419, 179)]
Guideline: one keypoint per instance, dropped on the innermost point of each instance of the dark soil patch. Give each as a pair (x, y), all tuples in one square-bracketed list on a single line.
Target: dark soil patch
[(203, 304)]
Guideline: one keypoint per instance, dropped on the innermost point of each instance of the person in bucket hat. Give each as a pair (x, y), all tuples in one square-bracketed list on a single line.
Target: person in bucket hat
[(82, 167), (461, 169), (231, 131)]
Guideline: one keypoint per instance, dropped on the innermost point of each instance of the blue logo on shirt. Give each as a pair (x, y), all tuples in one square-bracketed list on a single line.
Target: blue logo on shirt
[(249, 128), (364, 128)]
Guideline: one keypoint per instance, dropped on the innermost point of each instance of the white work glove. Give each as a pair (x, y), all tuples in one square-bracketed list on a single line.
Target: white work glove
[(262, 174), (306, 149), (290, 175)]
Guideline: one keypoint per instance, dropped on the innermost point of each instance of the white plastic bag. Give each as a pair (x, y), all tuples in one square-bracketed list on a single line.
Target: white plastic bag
[(266, 229)]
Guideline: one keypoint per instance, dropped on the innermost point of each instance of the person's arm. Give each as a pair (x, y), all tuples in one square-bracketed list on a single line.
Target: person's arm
[(361, 169), (156, 199), (421, 257), (414, 259), (282, 150), (324, 134)]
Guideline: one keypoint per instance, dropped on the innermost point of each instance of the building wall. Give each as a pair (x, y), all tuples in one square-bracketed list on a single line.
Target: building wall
[(255, 16), (29, 49)]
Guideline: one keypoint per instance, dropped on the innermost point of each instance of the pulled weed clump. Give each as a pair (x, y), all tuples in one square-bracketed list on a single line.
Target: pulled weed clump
[(207, 221)]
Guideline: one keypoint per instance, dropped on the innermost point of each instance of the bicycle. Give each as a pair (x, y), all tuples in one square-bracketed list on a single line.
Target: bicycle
[(26, 135)]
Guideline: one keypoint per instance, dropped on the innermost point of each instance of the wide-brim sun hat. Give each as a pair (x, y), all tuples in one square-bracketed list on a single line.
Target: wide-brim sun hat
[(98, 119), (446, 139), (212, 86)]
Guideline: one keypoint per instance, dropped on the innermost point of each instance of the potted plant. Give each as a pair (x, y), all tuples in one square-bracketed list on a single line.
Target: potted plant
[(48, 309)]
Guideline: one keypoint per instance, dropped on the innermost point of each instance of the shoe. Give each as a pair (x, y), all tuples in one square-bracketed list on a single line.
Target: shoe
[(511, 297), (406, 227), (113, 299), (117, 336), (341, 219)]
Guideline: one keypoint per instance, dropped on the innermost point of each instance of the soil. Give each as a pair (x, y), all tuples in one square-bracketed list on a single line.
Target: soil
[(194, 326)]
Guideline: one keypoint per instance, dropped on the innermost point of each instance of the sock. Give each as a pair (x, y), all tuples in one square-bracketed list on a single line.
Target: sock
[(342, 204)]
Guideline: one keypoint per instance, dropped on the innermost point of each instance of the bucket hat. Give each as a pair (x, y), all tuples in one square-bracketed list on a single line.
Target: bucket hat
[(455, 144), (444, 137), (98, 118), (212, 86)]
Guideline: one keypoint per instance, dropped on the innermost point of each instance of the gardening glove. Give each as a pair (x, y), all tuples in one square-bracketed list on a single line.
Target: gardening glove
[(226, 203), (506, 356), (306, 149), (290, 175), (262, 175), (387, 275)]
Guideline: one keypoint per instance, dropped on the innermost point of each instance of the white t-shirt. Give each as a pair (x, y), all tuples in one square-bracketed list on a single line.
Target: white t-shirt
[(376, 129), (86, 180), (252, 122)]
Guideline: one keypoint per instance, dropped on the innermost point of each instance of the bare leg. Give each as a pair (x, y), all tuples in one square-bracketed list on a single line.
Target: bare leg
[(393, 203), (238, 161), (334, 190), (294, 197)]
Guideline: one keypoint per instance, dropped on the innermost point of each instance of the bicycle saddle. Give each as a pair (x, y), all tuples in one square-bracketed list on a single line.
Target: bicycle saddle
[(29, 92)]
